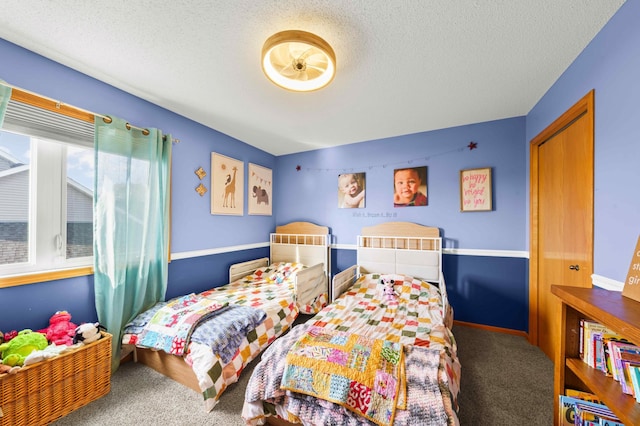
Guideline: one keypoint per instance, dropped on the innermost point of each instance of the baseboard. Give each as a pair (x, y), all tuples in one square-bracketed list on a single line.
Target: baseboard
[(492, 328)]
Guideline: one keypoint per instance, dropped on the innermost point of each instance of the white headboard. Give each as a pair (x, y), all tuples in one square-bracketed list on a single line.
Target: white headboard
[(302, 242), (398, 248), (401, 248)]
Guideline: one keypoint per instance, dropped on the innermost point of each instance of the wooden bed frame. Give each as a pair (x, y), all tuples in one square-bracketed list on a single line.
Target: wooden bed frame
[(301, 242)]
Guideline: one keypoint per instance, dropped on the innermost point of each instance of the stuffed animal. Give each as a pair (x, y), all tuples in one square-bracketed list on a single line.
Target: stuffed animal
[(388, 290), (15, 351), (61, 330), (7, 369), (88, 332), (10, 335), (49, 352)]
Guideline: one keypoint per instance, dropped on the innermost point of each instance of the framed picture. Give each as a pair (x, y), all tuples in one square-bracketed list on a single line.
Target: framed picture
[(475, 190), (260, 190), (410, 187), (227, 185), (351, 188)]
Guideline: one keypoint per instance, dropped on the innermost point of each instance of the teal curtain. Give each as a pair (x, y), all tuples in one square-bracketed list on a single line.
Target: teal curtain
[(5, 95), (131, 223)]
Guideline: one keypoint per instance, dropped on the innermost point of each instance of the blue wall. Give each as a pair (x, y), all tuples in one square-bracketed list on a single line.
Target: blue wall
[(484, 267), (195, 232), (500, 145), (610, 64)]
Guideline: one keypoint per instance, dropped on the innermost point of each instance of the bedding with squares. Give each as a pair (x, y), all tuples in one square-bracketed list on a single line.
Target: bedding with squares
[(416, 322), (232, 324)]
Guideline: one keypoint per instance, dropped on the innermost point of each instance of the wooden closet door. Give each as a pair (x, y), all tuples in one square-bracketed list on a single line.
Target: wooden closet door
[(562, 217)]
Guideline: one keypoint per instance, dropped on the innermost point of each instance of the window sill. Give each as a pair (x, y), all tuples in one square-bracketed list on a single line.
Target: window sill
[(32, 278)]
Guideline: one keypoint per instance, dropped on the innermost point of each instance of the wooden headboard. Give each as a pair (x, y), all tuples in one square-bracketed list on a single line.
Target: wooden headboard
[(302, 242)]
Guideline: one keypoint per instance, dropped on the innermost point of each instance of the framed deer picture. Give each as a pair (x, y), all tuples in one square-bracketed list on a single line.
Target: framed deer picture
[(227, 185)]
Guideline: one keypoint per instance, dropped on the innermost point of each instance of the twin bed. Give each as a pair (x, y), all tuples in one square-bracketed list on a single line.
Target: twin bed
[(205, 340), (365, 358), (368, 359)]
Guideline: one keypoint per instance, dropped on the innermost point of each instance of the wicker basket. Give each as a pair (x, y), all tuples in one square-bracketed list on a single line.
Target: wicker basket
[(43, 392)]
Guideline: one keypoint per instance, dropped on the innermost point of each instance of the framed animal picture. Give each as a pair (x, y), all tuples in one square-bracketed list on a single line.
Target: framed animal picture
[(227, 185), (260, 190)]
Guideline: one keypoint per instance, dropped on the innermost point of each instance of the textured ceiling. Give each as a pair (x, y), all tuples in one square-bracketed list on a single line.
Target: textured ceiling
[(402, 66)]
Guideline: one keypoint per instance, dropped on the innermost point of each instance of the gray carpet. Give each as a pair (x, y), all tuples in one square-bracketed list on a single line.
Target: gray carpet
[(505, 381)]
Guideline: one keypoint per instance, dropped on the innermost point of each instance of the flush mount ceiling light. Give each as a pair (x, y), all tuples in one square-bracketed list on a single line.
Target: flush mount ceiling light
[(298, 61)]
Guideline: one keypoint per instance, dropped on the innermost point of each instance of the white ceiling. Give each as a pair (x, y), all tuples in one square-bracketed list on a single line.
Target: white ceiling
[(403, 66)]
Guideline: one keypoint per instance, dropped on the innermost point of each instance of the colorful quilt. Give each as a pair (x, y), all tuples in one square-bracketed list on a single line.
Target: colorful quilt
[(416, 322), (363, 375), (271, 309), (171, 326), (265, 284)]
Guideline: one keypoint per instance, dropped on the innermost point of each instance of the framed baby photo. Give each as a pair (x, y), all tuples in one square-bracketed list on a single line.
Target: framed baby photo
[(227, 185), (475, 190), (260, 190), (351, 188), (410, 187)]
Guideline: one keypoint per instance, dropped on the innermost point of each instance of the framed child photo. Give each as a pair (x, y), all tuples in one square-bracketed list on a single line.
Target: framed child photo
[(260, 190), (475, 190), (410, 187), (227, 185), (351, 188)]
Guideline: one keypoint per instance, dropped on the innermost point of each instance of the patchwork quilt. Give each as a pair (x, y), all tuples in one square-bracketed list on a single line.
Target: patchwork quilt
[(171, 326), (415, 322), (254, 311), (363, 375)]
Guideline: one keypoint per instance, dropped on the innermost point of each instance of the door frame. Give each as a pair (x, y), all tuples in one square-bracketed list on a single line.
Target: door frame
[(584, 106)]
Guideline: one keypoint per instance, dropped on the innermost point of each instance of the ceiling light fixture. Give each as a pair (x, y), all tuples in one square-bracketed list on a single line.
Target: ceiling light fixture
[(298, 60)]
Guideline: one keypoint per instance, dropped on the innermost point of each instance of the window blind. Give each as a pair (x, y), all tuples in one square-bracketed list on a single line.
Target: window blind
[(24, 118)]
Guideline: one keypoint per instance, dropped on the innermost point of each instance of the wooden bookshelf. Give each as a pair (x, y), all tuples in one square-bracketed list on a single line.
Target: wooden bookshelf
[(609, 308)]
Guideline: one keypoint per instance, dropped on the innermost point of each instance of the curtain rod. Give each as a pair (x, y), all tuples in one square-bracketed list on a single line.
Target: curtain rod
[(105, 118)]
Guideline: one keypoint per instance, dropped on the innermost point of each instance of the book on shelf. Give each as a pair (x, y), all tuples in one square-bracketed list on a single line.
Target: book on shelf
[(604, 422), (634, 372), (607, 366), (591, 333), (587, 411), (586, 396), (626, 354), (577, 411)]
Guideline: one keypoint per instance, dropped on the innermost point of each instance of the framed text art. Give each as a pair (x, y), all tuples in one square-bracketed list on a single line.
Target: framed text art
[(475, 190), (260, 190), (227, 185)]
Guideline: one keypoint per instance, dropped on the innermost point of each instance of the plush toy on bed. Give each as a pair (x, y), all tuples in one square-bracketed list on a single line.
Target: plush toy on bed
[(389, 292)]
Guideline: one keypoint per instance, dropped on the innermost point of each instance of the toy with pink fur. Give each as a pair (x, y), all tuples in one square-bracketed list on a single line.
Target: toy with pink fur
[(61, 330)]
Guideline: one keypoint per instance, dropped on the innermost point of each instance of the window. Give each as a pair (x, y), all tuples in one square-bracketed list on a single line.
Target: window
[(46, 191)]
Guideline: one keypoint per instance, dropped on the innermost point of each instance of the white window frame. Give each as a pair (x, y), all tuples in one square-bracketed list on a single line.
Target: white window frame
[(51, 129)]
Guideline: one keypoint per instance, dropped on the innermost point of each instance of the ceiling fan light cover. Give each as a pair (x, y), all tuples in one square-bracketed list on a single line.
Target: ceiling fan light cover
[(298, 60)]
